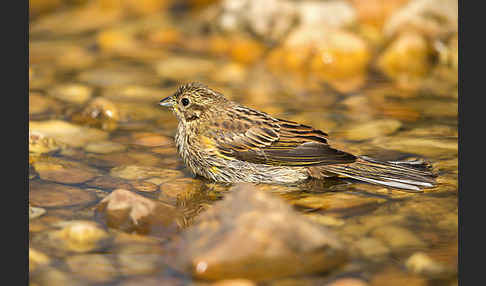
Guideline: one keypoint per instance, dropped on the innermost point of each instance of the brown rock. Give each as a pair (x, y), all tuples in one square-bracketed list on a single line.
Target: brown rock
[(104, 147), (56, 195), (179, 189), (37, 259), (40, 144), (348, 282), (74, 93), (97, 268), (153, 141), (234, 282), (369, 130), (406, 58), (63, 171), (35, 212), (39, 104), (398, 237), (135, 172), (99, 113), (393, 276), (68, 133), (336, 201), (145, 186), (422, 264), (118, 76), (108, 183), (432, 18), (255, 235), (130, 212), (72, 237)]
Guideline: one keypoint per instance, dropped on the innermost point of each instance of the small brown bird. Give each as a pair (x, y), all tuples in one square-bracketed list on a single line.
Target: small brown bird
[(226, 142)]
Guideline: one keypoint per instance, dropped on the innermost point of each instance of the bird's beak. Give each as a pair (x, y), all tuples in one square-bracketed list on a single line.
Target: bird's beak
[(167, 102)]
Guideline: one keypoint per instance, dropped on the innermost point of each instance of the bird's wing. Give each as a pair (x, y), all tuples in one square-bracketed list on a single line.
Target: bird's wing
[(256, 137)]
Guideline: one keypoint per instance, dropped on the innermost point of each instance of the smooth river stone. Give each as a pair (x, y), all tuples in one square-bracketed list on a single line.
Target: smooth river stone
[(370, 130), (336, 201), (52, 195), (104, 147), (63, 171), (96, 268), (73, 93), (258, 236), (136, 172), (68, 133)]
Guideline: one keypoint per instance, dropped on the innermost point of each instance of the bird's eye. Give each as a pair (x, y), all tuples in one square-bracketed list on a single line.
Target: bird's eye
[(185, 101)]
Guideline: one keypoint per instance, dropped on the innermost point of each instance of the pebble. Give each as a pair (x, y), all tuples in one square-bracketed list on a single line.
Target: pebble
[(432, 148), (96, 268), (422, 264), (336, 201), (398, 237), (371, 248), (64, 171), (390, 275), (76, 236), (180, 189), (51, 195), (234, 282), (104, 147), (35, 212), (369, 130), (137, 172), (73, 93), (117, 76), (348, 282), (68, 133), (406, 58), (139, 264), (39, 105), (40, 144), (433, 18), (100, 113), (153, 141), (37, 259), (129, 211), (256, 234), (181, 68)]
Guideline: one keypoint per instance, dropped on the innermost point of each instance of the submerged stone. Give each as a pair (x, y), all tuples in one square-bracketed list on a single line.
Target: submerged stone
[(73, 93), (68, 133), (104, 147), (52, 195), (369, 130), (35, 212), (64, 171), (136, 172), (422, 264), (398, 237), (37, 259), (99, 113), (77, 236), (254, 235), (40, 144), (130, 212), (96, 268), (406, 58)]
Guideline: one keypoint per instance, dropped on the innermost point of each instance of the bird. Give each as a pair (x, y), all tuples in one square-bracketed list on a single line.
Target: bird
[(226, 142)]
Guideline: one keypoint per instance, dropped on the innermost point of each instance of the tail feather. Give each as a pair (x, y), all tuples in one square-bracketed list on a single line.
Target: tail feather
[(408, 175)]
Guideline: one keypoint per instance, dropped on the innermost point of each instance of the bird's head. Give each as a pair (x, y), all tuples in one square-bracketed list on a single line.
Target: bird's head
[(193, 101)]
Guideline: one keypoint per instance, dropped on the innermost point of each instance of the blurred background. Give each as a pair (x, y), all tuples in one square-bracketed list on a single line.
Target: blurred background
[(379, 76)]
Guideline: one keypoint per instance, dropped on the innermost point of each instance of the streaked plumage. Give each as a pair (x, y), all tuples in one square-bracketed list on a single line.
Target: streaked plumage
[(226, 142)]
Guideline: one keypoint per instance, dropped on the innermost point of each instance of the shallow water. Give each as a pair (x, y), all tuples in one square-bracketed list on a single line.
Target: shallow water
[(381, 228)]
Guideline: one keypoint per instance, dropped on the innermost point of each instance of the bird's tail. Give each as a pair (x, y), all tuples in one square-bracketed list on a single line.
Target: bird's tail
[(408, 175)]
